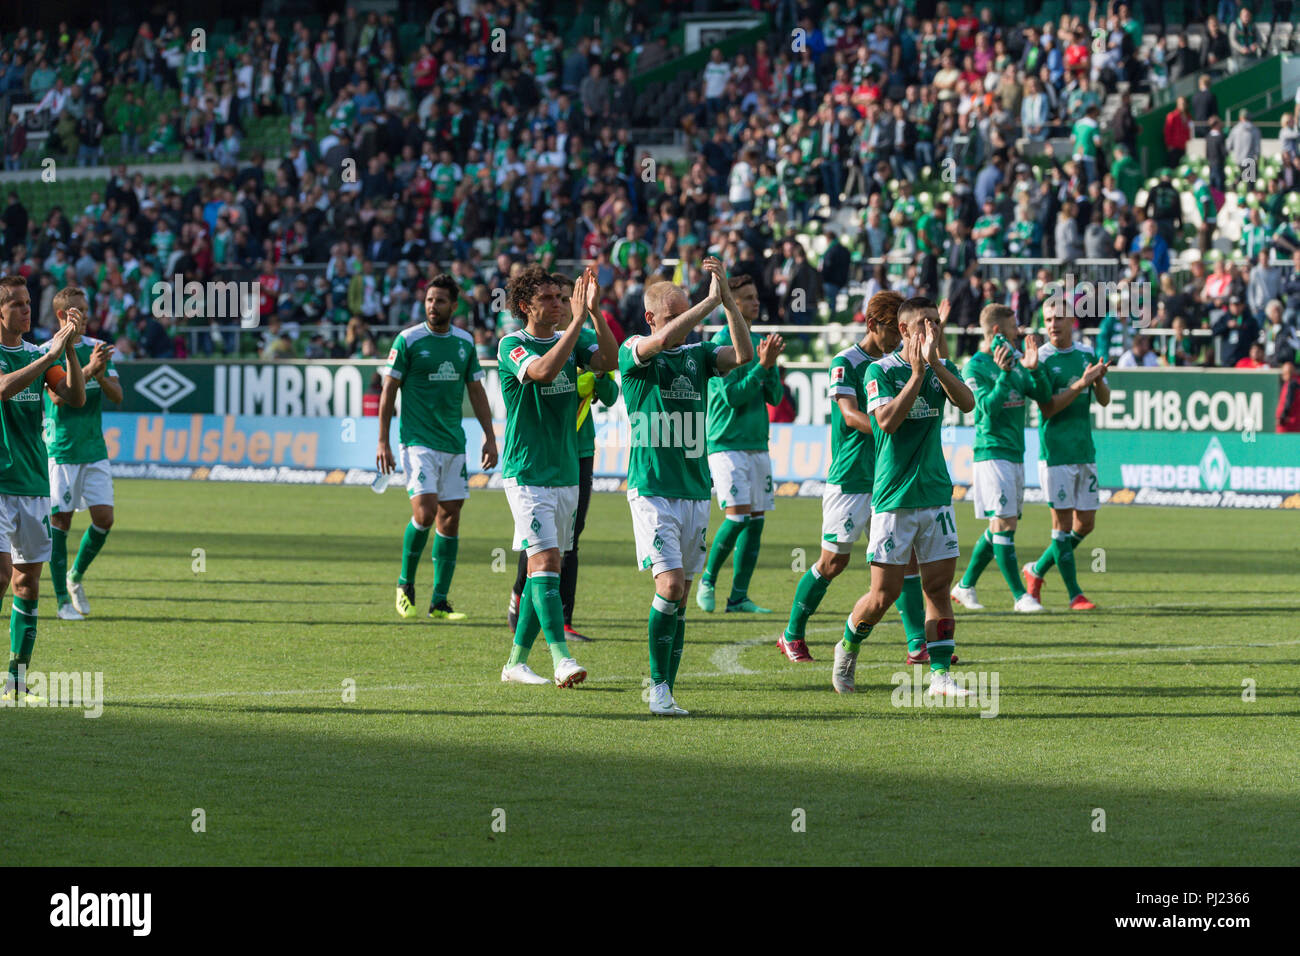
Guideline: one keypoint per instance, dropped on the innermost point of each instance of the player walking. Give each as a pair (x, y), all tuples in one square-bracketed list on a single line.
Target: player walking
[(26, 369), (738, 457), (539, 374), (1067, 469), (1001, 386), (912, 492), (433, 365), (591, 386), (664, 387), (80, 475)]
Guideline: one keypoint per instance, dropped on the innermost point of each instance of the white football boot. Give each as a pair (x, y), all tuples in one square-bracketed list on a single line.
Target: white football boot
[(662, 703), (846, 664), (966, 598), (78, 595), (521, 674), (69, 613), (569, 673), (942, 685), (1028, 604)]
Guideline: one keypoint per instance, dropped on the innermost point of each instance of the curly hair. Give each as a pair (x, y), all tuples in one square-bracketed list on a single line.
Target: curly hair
[(523, 287)]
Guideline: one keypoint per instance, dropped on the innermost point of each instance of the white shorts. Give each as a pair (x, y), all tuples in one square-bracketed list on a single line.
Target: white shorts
[(430, 472), (1070, 486), (544, 517), (82, 486), (670, 533), (931, 531), (743, 478), (25, 528), (999, 489), (844, 518)]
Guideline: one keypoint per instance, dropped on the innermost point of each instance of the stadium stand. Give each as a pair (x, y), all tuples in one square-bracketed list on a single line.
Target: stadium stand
[(975, 152)]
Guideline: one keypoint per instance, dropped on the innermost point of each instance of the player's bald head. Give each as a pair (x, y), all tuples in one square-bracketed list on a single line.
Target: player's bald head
[(664, 301)]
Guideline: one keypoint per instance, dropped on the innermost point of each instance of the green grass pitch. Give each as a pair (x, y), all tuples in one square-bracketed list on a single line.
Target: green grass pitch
[(224, 690)]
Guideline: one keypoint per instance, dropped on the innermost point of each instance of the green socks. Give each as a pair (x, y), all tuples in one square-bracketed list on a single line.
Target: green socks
[(979, 560), (1064, 547), (854, 635), (942, 646), (747, 545), (1004, 549), (663, 634), (22, 637), (679, 641), (911, 606), (444, 565), (413, 542), (525, 630), (59, 563), (723, 543), (91, 542), (1048, 557), (807, 597), (544, 589)]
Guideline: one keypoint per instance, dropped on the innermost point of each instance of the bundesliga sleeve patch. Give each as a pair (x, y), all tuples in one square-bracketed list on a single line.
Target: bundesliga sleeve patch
[(873, 389), (517, 353), (392, 356), (837, 374)]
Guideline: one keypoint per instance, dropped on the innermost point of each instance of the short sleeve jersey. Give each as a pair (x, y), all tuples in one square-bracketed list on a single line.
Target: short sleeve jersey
[(541, 447), (22, 416), (76, 435), (432, 370), (853, 453), (666, 397), (911, 471), (1066, 437)]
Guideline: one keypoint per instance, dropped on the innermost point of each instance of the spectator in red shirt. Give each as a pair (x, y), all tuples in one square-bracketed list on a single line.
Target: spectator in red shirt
[(1255, 359), (1177, 132), (1288, 402)]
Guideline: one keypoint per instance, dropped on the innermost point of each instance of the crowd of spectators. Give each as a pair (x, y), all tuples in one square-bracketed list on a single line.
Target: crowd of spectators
[(857, 146)]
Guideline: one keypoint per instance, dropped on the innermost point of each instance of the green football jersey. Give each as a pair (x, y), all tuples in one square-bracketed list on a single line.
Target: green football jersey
[(665, 399), (1066, 437), (22, 417), (606, 392), (1086, 136), (432, 371), (737, 417), (541, 446), (911, 471), (76, 435), (853, 453), (1000, 406)]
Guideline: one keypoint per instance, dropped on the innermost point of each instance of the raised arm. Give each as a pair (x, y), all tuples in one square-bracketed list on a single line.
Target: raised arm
[(741, 350), (894, 412), (606, 357), (12, 383), (952, 384), (545, 369)]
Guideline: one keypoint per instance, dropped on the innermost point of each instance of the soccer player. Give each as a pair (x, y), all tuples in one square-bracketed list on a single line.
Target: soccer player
[(665, 385), (1001, 386), (912, 494), (591, 386), (26, 369), (539, 383), (80, 476), (1067, 467), (738, 457), (433, 365)]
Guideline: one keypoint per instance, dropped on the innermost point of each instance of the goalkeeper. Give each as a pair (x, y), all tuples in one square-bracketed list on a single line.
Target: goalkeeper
[(592, 386)]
